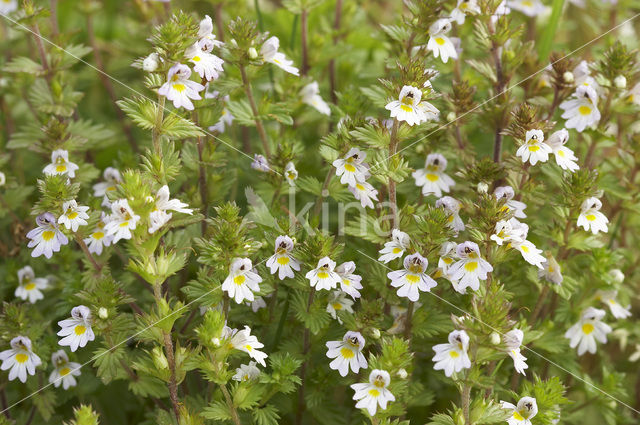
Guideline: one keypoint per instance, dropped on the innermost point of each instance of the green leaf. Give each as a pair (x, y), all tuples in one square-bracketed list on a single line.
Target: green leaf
[(268, 415), (177, 127), (142, 111), (549, 33), (23, 64), (241, 111)]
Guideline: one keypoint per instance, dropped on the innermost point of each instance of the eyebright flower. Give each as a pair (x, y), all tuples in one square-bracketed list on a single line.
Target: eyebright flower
[(98, 238), (530, 253), (365, 193), (439, 43), (410, 108), (207, 65), (551, 270), (8, 6), (530, 8), (447, 257), (509, 231), (513, 340), (324, 276), (243, 340), (207, 39), (412, 278), (395, 247), (534, 149), (270, 53), (73, 215), (432, 177), (633, 96), (452, 357), (256, 304), (347, 353), (122, 221), (609, 298), (565, 157), (242, 281), (523, 412), (20, 359), (179, 88), (581, 111), (60, 164), (464, 8), (260, 163), (591, 218), (373, 393), (351, 168), (452, 208), (507, 194), (282, 261), (76, 330), (310, 95), (3, 179), (226, 118), (29, 286), (246, 372), (588, 329), (291, 173), (111, 178), (471, 268), (350, 282), (159, 216), (64, 371), (338, 301), (47, 237), (151, 62)]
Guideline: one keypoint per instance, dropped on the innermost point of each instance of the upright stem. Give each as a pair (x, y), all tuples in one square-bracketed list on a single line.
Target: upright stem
[(219, 22), (465, 400), (53, 6), (393, 145), (306, 347), (325, 185), (254, 109), (41, 52), (169, 352), (202, 178), (157, 128), (332, 64), (227, 397), (83, 247), (499, 88), (303, 36)]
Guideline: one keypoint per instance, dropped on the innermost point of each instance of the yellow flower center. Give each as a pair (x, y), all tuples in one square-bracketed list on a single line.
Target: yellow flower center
[(432, 177), (196, 59), (587, 328), (454, 354), (471, 266), (524, 249), (413, 279), (29, 286), (374, 393), (337, 306), (350, 168), (21, 358), (534, 148), (61, 168), (239, 280), (591, 217), (64, 371), (346, 353), (179, 87), (47, 235), (72, 215), (406, 108), (346, 282), (397, 250), (359, 186), (79, 330), (323, 275), (283, 260), (440, 40), (124, 224), (560, 153), (584, 110), (98, 235), (447, 260), (517, 416)]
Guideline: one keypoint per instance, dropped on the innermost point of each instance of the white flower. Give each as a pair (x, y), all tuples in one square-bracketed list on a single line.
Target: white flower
[(122, 221), (530, 8), (29, 286), (8, 6), (432, 177), (60, 164), (76, 330), (565, 157), (256, 304), (501, 10), (270, 53), (226, 117), (591, 218), (73, 215), (534, 149), (412, 278), (347, 353), (3, 179), (523, 412), (242, 281), (207, 40), (365, 193), (452, 208), (310, 95), (20, 359), (581, 111), (452, 357), (373, 393), (620, 82), (350, 282), (513, 341), (509, 231), (207, 65), (633, 96), (395, 247), (151, 62), (471, 268), (464, 8), (410, 108), (98, 238), (338, 301), (439, 43), (159, 216), (290, 173), (112, 178), (588, 329), (530, 253), (260, 163), (351, 168), (246, 372), (243, 340), (47, 237), (179, 88), (64, 371), (447, 257), (616, 275), (506, 193), (324, 276), (609, 298), (551, 270), (282, 261)]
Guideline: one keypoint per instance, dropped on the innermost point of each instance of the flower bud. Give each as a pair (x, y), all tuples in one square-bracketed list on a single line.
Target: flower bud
[(402, 374), (103, 313), (568, 77), (483, 187), (216, 341), (451, 116), (375, 333), (617, 275), (159, 359), (494, 338), (620, 82), (3, 179), (253, 53), (151, 62)]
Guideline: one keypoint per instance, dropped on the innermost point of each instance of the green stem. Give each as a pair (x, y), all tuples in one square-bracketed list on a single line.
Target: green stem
[(254, 108), (304, 31), (234, 412), (393, 145), (157, 128)]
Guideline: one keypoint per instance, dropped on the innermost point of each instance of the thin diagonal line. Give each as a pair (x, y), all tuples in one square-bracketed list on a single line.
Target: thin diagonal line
[(128, 87), (509, 88), (524, 346)]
